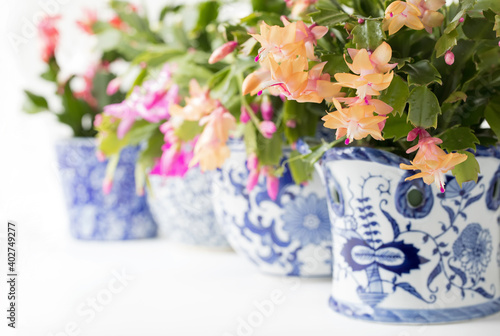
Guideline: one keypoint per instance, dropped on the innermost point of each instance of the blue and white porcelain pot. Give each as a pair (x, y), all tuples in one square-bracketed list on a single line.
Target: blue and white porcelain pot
[(403, 251), (289, 236), (183, 209), (121, 215)]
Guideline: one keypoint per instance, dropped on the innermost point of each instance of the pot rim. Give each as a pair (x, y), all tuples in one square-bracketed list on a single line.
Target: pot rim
[(383, 157)]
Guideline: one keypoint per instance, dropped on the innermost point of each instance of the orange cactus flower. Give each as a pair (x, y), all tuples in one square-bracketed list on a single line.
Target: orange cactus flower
[(399, 14), (381, 108), (254, 82), (279, 41), (307, 34), (356, 122), (430, 17), (432, 171), (370, 67), (366, 62), (198, 105), (319, 86), (370, 85), (211, 150)]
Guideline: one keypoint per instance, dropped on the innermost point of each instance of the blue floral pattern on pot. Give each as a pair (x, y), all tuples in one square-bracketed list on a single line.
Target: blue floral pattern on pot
[(404, 251), (289, 236), (121, 215), (183, 209)]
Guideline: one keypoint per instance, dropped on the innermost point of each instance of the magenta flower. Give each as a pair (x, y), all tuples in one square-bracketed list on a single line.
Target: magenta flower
[(267, 128)]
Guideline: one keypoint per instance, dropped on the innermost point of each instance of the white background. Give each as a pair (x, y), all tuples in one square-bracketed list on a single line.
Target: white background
[(171, 290)]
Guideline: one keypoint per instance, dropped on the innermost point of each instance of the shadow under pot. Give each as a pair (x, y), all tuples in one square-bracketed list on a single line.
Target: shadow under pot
[(121, 215), (403, 251), (183, 209), (287, 236)]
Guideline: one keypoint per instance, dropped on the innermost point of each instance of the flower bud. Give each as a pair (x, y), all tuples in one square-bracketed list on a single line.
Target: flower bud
[(244, 116), (107, 186), (253, 179), (267, 128), (266, 109), (449, 57), (252, 162), (113, 86), (220, 53), (273, 184), (292, 123)]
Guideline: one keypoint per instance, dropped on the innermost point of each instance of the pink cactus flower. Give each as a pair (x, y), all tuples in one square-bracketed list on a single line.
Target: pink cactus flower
[(220, 53)]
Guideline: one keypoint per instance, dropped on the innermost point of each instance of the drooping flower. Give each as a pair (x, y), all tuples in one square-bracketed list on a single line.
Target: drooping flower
[(49, 34), (432, 171), (211, 150), (399, 14), (430, 17), (220, 53), (356, 122)]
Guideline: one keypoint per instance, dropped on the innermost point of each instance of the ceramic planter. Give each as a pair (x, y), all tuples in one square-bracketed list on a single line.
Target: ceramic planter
[(121, 215), (183, 209), (403, 251), (289, 236)]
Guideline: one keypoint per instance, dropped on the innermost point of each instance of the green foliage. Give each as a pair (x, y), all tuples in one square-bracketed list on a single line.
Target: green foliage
[(270, 151), (397, 127), (459, 138), (304, 119), (301, 170), (329, 13), (424, 108), (271, 6), (492, 115), (368, 35), (396, 95), (446, 42), (422, 73), (467, 170), (34, 103), (74, 110), (208, 13)]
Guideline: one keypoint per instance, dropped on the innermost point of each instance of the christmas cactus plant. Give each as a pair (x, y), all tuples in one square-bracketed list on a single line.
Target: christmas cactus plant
[(418, 78)]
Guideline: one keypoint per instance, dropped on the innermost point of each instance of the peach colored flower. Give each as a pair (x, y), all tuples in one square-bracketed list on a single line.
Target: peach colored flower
[(211, 150), (198, 105), (356, 122), (430, 17), (307, 34), (399, 14), (432, 171), (371, 68), (279, 42)]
